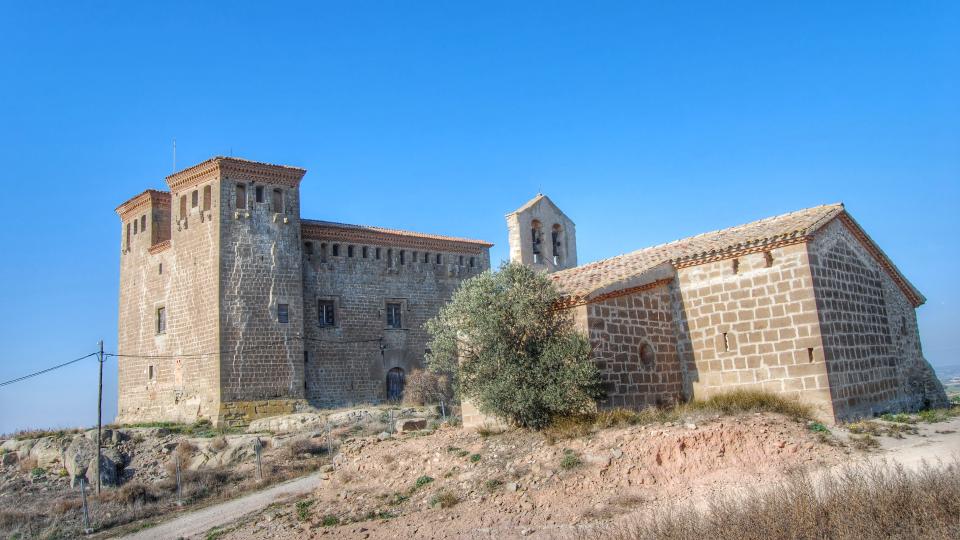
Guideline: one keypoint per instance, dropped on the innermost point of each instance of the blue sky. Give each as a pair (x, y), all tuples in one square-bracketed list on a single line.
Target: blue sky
[(644, 121)]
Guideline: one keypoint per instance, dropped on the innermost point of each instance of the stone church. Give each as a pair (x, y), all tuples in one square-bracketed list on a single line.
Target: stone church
[(233, 307), (804, 304)]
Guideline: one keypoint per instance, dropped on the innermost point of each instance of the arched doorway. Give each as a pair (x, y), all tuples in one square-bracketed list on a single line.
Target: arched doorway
[(395, 382)]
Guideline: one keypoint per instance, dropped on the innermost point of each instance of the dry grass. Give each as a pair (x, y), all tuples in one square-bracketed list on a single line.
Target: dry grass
[(729, 403), (218, 444), (860, 502), (305, 446)]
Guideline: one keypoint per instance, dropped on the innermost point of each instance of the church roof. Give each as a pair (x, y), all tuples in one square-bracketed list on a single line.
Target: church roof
[(580, 282), (536, 200)]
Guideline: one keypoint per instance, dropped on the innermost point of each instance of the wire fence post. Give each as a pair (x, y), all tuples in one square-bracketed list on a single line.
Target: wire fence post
[(443, 410), (179, 488), (393, 423), (86, 514), (257, 448)]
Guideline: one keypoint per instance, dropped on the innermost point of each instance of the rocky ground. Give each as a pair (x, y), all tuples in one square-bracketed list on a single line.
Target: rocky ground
[(457, 483), (40, 472)]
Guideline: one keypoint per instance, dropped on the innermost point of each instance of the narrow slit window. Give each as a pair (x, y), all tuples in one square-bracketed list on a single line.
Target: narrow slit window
[(403, 257), (277, 200), (207, 198), (768, 259), (258, 194), (183, 207), (136, 224), (161, 320), (323, 252), (389, 258), (736, 266), (809, 354), (283, 313), (128, 236), (726, 342), (160, 269), (426, 257), (143, 223), (150, 373), (241, 196)]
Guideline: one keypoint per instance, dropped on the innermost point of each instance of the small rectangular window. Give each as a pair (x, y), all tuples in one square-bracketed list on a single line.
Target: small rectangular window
[(136, 226), (161, 320), (283, 313), (277, 201), (403, 257), (150, 373), (460, 260), (325, 312), (308, 248), (439, 258), (143, 223), (183, 207), (207, 198), (736, 266), (128, 236), (768, 259), (241, 196), (160, 268), (365, 252), (336, 250), (472, 262), (809, 354), (389, 258), (377, 254), (194, 199), (349, 251), (393, 315), (258, 192), (426, 257)]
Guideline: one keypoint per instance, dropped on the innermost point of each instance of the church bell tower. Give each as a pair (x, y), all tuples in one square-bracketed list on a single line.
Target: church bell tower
[(542, 236)]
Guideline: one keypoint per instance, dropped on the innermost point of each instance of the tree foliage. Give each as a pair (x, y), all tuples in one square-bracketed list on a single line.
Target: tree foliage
[(512, 354)]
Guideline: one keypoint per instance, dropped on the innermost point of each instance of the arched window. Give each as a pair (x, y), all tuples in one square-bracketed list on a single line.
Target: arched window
[(647, 355), (536, 238), (396, 379), (555, 239)]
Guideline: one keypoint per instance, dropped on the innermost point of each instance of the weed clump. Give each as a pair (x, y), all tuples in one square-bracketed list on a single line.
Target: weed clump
[(444, 499), (570, 460)]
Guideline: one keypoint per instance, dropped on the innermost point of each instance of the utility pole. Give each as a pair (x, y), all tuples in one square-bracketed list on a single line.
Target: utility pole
[(99, 416)]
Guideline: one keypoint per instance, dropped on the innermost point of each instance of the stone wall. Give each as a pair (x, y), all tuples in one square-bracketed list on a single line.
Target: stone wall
[(262, 356), (871, 339), (344, 362), (634, 345), (751, 322), (170, 375)]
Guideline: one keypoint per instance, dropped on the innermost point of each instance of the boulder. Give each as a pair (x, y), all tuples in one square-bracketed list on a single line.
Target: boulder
[(48, 452), (80, 453), (9, 458), (111, 468), (288, 423), (416, 424)]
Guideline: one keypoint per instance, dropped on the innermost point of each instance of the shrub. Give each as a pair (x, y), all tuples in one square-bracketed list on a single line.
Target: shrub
[(493, 484), (330, 521), (513, 354), (817, 427), (932, 416), (133, 493), (425, 387), (218, 444), (422, 481), (877, 500), (303, 509), (304, 446), (475, 458), (865, 443), (570, 460), (444, 499)]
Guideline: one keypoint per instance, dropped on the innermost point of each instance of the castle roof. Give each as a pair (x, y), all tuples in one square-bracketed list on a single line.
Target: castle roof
[(149, 196), (380, 235), (583, 282), (235, 169)]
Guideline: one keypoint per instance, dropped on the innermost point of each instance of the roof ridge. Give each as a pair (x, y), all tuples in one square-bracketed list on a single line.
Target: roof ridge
[(387, 230)]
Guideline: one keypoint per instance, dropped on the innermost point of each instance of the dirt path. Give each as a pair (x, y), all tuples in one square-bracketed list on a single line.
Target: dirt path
[(196, 524)]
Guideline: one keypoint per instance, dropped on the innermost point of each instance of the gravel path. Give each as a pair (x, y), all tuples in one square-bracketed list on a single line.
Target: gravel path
[(196, 524)]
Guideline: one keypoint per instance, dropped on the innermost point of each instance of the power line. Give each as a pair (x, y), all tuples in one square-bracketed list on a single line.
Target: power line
[(49, 369)]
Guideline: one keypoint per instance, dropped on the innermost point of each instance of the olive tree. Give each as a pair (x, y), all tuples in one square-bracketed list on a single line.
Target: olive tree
[(510, 351)]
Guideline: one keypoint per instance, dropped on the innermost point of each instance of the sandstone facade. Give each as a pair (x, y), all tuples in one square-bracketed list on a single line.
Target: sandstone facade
[(804, 305), (232, 307)]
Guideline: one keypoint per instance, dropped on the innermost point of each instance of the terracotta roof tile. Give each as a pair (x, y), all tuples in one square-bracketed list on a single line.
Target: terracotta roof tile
[(583, 280), (391, 232)]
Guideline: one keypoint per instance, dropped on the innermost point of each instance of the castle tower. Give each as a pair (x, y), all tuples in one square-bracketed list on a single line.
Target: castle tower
[(542, 236)]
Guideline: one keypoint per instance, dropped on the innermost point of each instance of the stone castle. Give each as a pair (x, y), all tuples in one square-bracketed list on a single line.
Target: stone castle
[(232, 307)]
